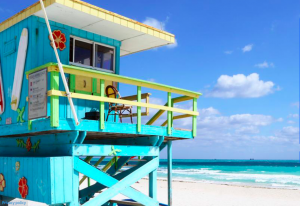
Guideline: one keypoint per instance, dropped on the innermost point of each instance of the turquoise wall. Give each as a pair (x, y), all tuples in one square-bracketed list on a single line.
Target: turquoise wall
[(40, 52)]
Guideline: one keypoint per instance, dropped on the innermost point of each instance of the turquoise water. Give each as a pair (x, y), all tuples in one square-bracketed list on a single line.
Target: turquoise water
[(260, 173)]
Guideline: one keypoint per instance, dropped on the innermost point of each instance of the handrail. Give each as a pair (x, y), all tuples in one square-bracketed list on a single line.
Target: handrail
[(120, 101), (116, 78), (134, 100), (160, 112)]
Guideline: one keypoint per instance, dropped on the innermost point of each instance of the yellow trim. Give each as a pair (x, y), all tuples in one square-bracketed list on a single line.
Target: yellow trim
[(120, 101), (91, 10), (120, 79), (177, 117), (160, 112)]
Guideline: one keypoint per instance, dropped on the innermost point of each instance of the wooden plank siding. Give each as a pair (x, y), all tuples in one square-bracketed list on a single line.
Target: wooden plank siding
[(40, 52)]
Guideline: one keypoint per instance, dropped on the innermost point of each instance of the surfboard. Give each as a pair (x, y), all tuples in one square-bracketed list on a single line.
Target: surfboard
[(19, 71), (2, 102)]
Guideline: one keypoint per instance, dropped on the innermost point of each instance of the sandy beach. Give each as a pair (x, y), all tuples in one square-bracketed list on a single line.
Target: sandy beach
[(207, 194)]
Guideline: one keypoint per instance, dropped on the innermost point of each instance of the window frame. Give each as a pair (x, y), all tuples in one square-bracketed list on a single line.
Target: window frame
[(94, 54)]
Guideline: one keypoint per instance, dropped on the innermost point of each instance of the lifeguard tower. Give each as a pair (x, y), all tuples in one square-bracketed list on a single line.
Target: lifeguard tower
[(49, 145)]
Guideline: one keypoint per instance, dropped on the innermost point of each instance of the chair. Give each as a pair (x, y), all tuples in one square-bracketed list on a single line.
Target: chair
[(119, 109)]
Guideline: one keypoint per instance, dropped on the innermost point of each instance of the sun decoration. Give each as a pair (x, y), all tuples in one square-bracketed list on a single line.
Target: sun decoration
[(23, 188), (59, 39), (2, 183), (28, 144)]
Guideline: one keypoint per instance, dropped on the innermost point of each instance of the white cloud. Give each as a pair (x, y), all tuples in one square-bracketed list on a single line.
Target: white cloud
[(291, 122), (228, 52), (160, 25), (265, 64), (241, 86), (154, 23), (151, 80), (294, 116), (247, 130), (171, 46), (295, 104), (213, 128), (234, 121), (247, 48), (288, 134)]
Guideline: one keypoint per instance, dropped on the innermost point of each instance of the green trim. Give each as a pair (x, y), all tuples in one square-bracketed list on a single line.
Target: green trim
[(82, 92), (169, 114), (135, 81), (54, 100), (94, 86), (102, 108), (29, 125), (41, 67), (139, 110), (72, 82), (194, 117)]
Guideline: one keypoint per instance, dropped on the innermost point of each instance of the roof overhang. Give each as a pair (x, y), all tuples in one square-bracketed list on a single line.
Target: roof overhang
[(135, 36)]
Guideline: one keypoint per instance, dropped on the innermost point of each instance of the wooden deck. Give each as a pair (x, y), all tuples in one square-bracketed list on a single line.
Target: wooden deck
[(112, 130)]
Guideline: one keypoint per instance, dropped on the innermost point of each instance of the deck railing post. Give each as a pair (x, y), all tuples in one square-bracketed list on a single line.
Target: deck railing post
[(194, 117), (139, 110), (169, 114), (102, 108), (169, 173), (54, 100)]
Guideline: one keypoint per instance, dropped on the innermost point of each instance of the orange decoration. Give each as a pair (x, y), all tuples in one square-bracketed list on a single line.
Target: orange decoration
[(59, 39), (23, 188), (28, 144), (2, 182)]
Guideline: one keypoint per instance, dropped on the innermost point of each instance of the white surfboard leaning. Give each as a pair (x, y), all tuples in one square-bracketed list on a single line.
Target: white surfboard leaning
[(18, 79), (2, 102)]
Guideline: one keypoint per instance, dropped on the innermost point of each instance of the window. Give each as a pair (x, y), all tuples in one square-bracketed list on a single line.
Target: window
[(91, 54)]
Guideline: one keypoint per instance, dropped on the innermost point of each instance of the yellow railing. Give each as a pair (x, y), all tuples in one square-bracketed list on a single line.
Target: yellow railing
[(134, 100)]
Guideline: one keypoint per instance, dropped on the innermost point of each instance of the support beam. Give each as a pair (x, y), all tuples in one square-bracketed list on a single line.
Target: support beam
[(116, 186), (97, 187), (169, 173), (194, 117), (169, 114), (153, 184), (102, 108), (106, 150), (139, 110), (54, 100)]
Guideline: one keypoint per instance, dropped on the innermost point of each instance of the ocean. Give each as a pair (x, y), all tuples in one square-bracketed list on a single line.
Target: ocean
[(258, 173)]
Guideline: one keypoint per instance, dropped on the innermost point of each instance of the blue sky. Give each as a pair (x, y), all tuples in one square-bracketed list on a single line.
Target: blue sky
[(242, 55)]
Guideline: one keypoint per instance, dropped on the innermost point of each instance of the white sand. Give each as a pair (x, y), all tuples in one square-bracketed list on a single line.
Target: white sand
[(205, 194), (190, 193)]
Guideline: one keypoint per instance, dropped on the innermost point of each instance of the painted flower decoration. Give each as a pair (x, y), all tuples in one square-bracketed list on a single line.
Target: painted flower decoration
[(23, 188), (59, 39), (2, 183), (28, 144)]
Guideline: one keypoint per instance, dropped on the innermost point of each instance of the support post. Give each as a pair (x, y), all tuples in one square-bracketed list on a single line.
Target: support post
[(102, 116), (139, 111), (194, 117), (54, 100), (169, 114), (169, 173), (153, 184)]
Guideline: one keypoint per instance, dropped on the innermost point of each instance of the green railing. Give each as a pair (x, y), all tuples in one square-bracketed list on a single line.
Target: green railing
[(54, 94)]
